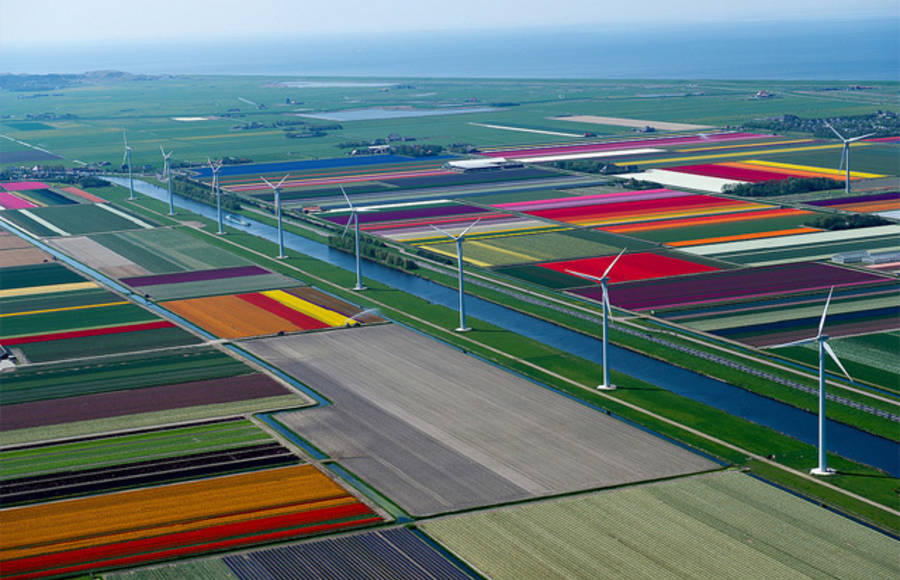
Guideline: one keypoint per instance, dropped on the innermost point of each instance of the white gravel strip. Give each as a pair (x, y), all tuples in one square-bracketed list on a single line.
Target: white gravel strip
[(587, 155), (795, 240), (524, 130), (682, 180), (44, 222), (124, 215)]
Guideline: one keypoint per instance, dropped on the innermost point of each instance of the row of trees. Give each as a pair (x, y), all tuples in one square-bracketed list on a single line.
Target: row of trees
[(375, 250), (204, 194), (787, 186), (882, 123), (847, 221)]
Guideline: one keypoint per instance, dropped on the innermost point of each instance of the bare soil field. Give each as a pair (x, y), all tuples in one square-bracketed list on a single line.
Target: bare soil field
[(99, 257), (637, 123), (439, 431)]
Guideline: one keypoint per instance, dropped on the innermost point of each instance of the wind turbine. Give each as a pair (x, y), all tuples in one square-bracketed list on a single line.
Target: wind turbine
[(354, 217), (845, 153), (167, 173), (127, 157), (822, 339), (607, 312), (459, 259), (215, 167), (277, 190)]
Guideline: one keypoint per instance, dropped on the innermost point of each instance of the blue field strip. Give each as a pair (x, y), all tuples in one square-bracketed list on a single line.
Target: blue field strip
[(395, 553), (398, 513), (291, 436), (286, 166), (465, 568)]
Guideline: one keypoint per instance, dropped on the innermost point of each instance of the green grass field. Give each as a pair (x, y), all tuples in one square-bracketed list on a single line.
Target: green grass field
[(107, 344), (871, 357), (83, 219), (715, 526), (27, 324), (37, 275), (70, 299), (122, 449), (164, 250), (147, 110), (132, 371)]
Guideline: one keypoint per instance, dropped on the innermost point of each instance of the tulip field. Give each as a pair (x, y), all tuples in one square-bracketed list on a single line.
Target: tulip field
[(260, 313), (50, 312), (874, 203), (140, 458), (175, 520), (176, 402), (316, 181)]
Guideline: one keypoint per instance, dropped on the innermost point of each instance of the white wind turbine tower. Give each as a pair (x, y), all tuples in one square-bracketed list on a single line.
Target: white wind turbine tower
[(459, 259), (167, 173), (127, 157), (215, 167), (822, 339), (354, 217), (607, 312), (277, 190), (845, 153)]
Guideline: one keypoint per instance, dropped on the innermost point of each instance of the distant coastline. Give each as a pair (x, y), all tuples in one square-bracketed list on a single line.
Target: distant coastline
[(856, 50)]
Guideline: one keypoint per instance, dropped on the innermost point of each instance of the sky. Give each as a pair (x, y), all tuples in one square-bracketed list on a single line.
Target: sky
[(35, 23)]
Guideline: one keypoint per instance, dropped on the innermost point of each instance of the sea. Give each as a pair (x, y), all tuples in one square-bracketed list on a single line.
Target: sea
[(853, 50)]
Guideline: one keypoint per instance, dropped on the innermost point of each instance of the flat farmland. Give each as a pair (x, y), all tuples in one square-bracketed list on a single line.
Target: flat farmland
[(75, 220), (14, 251), (398, 554), (714, 526), (871, 357), (45, 472), (712, 229), (179, 285), (164, 250), (503, 250), (259, 313), (440, 431), (175, 520)]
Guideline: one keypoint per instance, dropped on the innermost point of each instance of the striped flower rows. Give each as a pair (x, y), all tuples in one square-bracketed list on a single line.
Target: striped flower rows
[(135, 527)]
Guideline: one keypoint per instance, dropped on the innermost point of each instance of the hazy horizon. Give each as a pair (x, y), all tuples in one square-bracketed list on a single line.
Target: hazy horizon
[(49, 23)]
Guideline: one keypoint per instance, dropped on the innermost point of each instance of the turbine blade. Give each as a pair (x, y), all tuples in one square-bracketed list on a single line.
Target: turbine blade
[(283, 179), (163, 151), (269, 183), (472, 225), (834, 357), (606, 301), (824, 312), (582, 275), (125, 156), (833, 130), (794, 343), (347, 226), (613, 263), (346, 197), (125, 138), (843, 158), (442, 231), (860, 137)]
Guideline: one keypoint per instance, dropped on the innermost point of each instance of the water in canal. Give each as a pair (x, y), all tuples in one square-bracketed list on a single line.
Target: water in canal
[(842, 439)]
